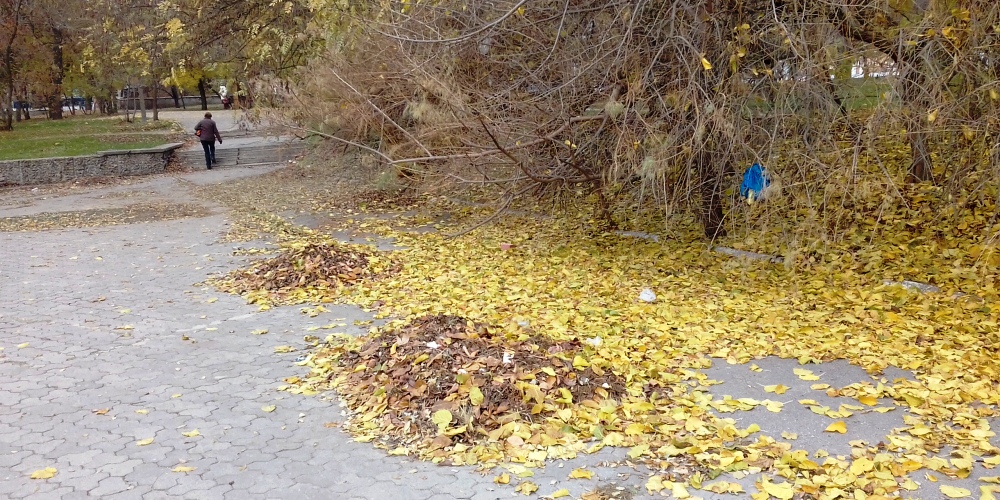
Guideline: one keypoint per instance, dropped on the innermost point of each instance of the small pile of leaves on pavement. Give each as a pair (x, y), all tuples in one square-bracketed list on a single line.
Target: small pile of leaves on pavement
[(132, 214), (375, 199), (303, 271), (443, 383)]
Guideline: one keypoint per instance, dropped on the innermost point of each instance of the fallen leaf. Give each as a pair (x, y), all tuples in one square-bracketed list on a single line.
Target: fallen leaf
[(183, 468), (331, 425), (476, 396), (804, 374), (261, 331), (655, 483), (777, 389), (22, 346), (954, 491), (502, 479), (46, 473), (142, 411), (269, 408), (559, 493), (192, 433), (781, 491), (283, 349), (839, 426), (526, 488), (102, 411), (581, 474), (144, 442), (442, 418)]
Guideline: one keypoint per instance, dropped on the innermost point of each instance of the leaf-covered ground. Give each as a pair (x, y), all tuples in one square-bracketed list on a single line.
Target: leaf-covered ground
[(515, 289)]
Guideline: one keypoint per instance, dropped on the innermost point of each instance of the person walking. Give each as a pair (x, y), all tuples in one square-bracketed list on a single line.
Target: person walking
[(208, 132)]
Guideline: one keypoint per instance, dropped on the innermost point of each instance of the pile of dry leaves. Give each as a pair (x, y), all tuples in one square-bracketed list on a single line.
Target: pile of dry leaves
[(303, 270), (443, 380)]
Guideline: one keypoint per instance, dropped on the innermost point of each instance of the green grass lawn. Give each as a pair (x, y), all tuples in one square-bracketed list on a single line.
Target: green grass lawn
[(80, 135)]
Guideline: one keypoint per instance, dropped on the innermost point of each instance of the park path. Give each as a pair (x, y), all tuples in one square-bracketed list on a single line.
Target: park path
[(107, 342)]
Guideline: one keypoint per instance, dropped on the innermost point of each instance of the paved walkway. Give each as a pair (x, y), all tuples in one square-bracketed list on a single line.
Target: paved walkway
[(108, 342), (233, 134)]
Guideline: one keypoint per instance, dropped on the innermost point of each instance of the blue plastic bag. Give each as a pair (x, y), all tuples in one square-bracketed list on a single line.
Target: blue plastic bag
[(755, 179)]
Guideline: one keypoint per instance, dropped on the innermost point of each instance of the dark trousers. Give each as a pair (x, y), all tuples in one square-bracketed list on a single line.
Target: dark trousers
[(209, 147)]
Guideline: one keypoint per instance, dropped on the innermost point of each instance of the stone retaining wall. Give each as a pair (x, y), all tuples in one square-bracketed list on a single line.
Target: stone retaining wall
[(102, 164)]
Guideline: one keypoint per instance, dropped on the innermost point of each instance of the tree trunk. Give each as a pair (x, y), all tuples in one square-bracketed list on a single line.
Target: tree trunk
[(156, 105), (921, 164), (710, 179), (916, 109), (202, 94), (176, 95), (7, 113), (58, 71), (142, 102)]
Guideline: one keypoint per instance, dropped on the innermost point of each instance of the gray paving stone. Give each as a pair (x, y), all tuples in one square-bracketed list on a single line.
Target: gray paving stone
[(79, 360)]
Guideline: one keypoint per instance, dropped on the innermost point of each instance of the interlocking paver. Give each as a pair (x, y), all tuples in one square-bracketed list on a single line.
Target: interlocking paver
[(72, 310)]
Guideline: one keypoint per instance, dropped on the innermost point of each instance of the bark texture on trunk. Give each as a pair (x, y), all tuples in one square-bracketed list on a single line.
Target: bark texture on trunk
[(710, 178), (202, 92), (58, 71)]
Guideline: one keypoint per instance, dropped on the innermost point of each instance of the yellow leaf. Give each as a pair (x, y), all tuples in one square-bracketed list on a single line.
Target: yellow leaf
[(476, 396), (782, 491), (502, 479), (680, 491), (283, 349), (175, 396), (191, 434), (183, 468), (705, 64), (932, 116), (840, 427), (560, 493), (526, 488), (581, 474), (789, 435), (22, 346), (46, 473), (144, 442), (804, 374), (142, 411), (442, 418), (268, 408), (655, 483), (777, 389), (955, 492), (862, 465), (994, 94), (868, 400)]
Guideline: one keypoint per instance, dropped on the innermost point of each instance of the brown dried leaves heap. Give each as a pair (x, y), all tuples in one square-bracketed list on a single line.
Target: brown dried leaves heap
[(302, 269), (409, 378)]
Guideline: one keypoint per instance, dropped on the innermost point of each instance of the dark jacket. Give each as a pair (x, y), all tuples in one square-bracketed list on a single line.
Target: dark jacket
[(209, 131)]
